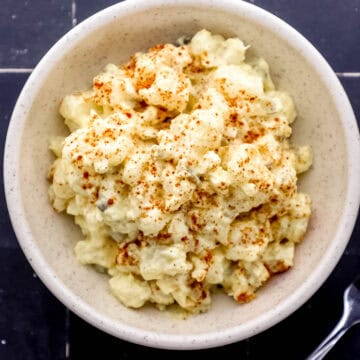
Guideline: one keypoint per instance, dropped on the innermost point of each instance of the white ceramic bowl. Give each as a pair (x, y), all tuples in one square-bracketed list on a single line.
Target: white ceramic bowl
[(325, 121)]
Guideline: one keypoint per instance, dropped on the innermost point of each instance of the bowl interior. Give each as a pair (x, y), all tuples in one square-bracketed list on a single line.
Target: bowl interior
[(117, 36)]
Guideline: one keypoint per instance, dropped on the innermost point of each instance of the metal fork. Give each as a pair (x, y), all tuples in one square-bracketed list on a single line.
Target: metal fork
[(350, 317)]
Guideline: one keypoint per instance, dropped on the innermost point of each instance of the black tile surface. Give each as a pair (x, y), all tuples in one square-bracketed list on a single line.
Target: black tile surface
[(11, 85), (28, 28), (86, 8), (32, 321), (352, 88), (333, 26), (34, 325)]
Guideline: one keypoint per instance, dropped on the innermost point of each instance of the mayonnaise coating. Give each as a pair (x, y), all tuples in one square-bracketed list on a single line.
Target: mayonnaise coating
[(179, 171)]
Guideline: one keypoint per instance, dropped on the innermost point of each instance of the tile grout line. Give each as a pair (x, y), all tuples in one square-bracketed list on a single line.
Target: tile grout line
[(73, 13), (348, 74), (15, 70), (67, 333)]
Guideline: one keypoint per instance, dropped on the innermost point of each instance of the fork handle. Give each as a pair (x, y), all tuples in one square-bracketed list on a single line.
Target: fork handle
[(339, 330)]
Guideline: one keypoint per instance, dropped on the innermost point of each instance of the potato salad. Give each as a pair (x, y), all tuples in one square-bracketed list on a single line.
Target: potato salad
[(179, 171)]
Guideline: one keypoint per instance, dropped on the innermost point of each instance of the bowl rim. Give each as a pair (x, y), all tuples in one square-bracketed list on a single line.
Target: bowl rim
[(163, 340)]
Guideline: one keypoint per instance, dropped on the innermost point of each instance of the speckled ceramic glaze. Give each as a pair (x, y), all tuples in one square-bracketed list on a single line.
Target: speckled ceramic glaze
[(325, 121)]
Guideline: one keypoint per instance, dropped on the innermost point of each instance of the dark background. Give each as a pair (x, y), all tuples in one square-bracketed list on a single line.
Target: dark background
[(34, 325)]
